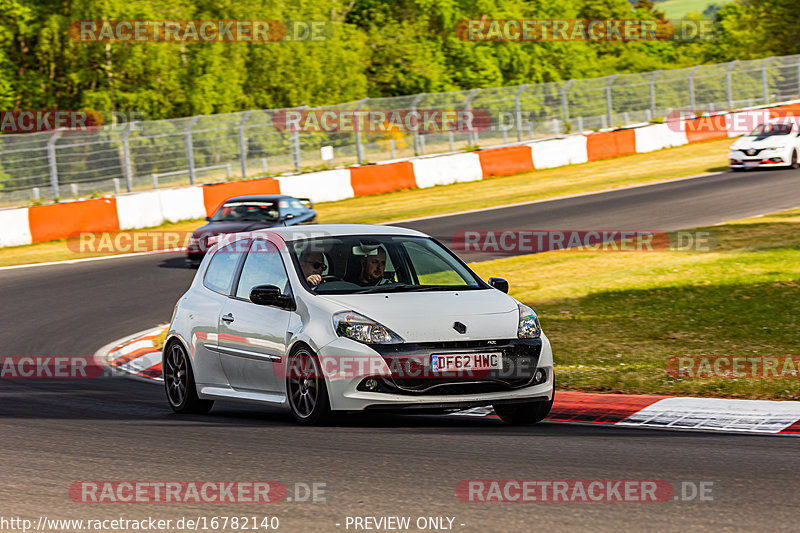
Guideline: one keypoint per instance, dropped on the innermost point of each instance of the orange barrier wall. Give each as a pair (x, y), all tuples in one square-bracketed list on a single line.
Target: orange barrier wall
[(376, 179), (506, 161), (59, 221), (214, 195), (608, 144), (792, 110), (706, 129)]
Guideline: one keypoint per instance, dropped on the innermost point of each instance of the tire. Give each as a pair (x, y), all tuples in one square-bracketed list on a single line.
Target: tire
[(306, 389), (795, 163), (179, 382), (517, 414)]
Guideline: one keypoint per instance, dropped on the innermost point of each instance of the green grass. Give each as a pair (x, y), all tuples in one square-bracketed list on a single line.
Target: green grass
[(615, 318)]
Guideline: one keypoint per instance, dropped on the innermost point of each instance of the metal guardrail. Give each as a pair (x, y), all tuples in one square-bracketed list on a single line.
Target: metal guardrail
[(61, 164)]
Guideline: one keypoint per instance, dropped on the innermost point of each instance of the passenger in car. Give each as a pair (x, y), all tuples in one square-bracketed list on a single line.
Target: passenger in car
[(372, 267)]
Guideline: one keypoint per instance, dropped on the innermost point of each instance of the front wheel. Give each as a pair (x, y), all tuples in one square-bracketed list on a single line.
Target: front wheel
[(523, 413), (795, 163), (179, 382), (305, 387)]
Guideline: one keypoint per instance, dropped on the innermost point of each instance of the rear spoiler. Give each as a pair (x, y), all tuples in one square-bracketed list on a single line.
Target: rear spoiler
[(307, 202)]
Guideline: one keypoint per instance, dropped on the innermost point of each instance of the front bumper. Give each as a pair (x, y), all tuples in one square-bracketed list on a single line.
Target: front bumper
[(421, 389), (739, 159)]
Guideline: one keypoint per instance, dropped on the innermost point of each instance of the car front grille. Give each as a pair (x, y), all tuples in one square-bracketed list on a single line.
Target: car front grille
[(411, 372)]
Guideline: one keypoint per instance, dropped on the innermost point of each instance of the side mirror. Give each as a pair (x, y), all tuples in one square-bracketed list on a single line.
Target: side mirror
[(270, 295), (207, 219), (499, 283)]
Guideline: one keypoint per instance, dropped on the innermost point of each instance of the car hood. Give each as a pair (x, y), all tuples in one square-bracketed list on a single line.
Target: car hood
[(215, 228), (761, 142), (430, 316)]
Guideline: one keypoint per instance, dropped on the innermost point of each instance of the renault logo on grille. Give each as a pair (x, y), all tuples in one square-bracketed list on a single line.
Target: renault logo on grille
[(459, 327), (751, 152)]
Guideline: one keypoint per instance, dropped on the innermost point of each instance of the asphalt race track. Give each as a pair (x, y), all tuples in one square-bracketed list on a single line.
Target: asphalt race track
[(53, 433)]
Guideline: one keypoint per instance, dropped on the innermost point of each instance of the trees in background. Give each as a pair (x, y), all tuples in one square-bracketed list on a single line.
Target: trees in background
[(377, 48)]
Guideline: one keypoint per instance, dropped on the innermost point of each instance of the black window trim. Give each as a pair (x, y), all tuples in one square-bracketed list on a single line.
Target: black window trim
[(240, 269)]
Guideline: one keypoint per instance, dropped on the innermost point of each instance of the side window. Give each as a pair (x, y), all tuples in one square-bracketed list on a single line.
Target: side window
[(222, 268), (263, 266)]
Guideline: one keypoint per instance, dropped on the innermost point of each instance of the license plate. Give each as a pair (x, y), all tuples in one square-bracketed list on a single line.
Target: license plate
[(466, 362), (751, 164)]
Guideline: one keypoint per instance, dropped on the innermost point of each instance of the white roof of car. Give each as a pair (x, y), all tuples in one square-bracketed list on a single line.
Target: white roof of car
[(291, 233)]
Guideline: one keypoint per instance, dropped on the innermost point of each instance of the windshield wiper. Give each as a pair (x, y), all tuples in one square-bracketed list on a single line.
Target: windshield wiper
[(385, 288), (413, 288)]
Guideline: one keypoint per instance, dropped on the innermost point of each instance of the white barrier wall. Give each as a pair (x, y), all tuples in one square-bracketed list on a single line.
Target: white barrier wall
[(658, 136), (14, 227), (325, 186), (441, 170), (139, 210), (559, 152), (185, 203)]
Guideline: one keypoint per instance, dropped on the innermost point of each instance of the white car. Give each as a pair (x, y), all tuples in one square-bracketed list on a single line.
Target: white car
[(353, 317), (776, 143)]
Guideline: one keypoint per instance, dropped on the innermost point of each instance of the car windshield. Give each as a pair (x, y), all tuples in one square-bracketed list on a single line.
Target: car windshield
[(256, 211), (765, 130), (361, 264)]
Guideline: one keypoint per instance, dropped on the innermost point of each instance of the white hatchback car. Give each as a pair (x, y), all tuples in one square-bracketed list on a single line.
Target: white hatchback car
[(348, 318), (776, 143)]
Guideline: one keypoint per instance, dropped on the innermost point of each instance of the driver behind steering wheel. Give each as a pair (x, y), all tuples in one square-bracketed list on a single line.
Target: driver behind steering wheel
[(313, 265)]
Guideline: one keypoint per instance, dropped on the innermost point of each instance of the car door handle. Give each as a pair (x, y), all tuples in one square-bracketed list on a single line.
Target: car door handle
[(227, 318)]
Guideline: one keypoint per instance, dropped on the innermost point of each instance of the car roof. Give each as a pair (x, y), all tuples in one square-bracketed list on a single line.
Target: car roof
[(292, 233), (259, 198)]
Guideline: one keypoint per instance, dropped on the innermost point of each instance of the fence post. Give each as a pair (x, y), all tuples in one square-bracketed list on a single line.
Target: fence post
[(415, 133), (798, 78), (764, 82), (127, 168), (190, 147), (51, 159), (468, 107), (728, 82), (357, 128), (242, 144), (565, 100), (653, 92), (517, 114), (609, 109), (296, 145), (692, 103)]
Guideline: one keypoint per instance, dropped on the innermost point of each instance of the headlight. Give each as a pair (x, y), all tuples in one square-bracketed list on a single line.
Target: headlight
[(362, 329), (777, 148), (529, 327)]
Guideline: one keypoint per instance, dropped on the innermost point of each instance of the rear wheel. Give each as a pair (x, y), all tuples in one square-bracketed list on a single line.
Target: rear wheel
[(179, 382), (523, 413), (305, 386)]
